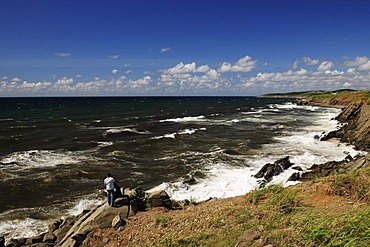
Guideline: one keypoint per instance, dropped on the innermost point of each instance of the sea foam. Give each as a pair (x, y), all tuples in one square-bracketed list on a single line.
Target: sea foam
[(223, 179)]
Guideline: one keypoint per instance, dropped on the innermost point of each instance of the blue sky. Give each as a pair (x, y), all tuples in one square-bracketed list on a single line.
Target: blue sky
[(193, 47)]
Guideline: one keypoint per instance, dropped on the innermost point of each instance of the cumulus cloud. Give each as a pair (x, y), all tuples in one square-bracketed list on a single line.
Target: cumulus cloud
[(326, 65), (294, 65), (188, 78), (16, 79), (244, 64), (202, 69), (309, 61), (181, 68), (64, 81), (365, 66), (62, 54), (114, 71), (356, 62), (166, 49)]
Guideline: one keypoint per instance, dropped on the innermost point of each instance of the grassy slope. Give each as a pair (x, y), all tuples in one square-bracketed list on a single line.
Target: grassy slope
[(331, 211)]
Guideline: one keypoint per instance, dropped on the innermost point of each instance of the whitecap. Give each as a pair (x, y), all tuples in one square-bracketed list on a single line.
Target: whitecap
[(27, 227), (37, 158), (84, 204), (185, 119)]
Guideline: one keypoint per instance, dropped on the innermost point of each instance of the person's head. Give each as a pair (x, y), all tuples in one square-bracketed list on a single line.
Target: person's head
[(109, 175)]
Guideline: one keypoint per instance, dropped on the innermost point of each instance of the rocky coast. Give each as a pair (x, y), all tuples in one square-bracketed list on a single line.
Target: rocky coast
[(329, 199)]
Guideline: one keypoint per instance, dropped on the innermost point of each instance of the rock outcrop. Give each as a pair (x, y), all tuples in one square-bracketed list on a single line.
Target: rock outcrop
[(269, 170), (73, 230), (356, 128)]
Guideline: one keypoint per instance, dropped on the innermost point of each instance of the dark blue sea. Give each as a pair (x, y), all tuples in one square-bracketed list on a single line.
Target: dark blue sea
[(55, 152)]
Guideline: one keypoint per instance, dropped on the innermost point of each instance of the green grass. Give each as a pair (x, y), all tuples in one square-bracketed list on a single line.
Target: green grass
[(282, 221)]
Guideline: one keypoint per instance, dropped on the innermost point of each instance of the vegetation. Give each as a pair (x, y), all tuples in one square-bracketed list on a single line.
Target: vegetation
[(347, 95), (283, 218), (329, 211)]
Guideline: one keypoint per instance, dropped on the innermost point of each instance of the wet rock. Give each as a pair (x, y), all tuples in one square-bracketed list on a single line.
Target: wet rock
[(294, 177), (16, 242), (49, 238), (55, 225), (2, 241), (35, 240), (269, 170)]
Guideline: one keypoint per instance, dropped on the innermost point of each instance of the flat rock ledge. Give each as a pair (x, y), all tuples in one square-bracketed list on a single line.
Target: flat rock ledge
[(73, 230)]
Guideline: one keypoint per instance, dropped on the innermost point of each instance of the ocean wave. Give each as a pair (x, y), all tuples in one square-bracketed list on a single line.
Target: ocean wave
[(221, 181), (185, 119), (115, 130), (84, 204), (27, 227), (37, 158), (181, 132)]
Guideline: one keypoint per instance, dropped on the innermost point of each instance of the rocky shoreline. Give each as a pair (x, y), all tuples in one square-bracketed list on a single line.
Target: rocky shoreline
[(74, 230)]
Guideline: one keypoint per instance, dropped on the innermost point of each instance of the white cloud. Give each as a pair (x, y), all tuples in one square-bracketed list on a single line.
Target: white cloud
[(181, 68), (127, 65), (64, 81), (4, 78), (114, 71), (63, 54), (302, 72), (244, 64), (188, 79), (202, 69), (114, 56), (365, 66), (16, 79), (140, 82), (166, 49), (309, 61), (326, 65), (347, 84), (351, 70), (356, 62), (294, 65)]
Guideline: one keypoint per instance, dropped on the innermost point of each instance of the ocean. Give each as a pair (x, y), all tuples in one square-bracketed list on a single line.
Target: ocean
[(55, 152)]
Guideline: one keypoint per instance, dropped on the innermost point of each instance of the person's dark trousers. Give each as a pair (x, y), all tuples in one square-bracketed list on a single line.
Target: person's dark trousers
[(110, 196)]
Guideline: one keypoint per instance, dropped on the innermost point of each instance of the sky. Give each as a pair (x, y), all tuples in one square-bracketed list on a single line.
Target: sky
[(182, 48)]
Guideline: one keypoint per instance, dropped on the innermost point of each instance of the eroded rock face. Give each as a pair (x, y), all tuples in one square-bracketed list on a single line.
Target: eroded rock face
[(356, 130)]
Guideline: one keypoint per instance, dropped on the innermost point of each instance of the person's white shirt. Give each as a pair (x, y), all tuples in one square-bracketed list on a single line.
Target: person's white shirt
[(109, 183)]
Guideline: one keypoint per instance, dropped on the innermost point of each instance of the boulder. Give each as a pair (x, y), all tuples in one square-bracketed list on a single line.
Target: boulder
[(99, 218), (118, 222), (159, 199), (49, 238), (35, 240), (16, 242), (270, 170), (55, 225), (2, 241), (248, 238), (136, 197)]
